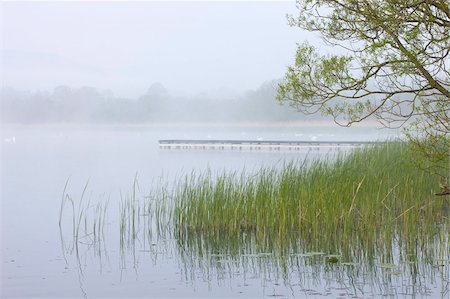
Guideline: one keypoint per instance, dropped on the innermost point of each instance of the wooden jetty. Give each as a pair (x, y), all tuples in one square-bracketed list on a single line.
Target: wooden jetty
[(209, 144)]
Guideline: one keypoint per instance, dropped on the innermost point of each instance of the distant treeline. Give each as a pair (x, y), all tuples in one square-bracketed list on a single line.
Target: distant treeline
[(89, 105)]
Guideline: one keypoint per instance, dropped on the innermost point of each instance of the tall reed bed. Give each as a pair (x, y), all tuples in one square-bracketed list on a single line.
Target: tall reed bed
[(368, 214), (373, 196), (145, 219)]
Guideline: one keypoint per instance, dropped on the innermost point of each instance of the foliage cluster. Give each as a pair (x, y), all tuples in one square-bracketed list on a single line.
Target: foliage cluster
[(394, 66)]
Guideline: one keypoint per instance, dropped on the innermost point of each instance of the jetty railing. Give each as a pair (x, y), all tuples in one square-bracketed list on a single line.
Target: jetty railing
[(222, 144)]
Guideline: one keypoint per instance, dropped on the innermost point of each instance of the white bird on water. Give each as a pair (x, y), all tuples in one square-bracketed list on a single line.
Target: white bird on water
[(10, 140)]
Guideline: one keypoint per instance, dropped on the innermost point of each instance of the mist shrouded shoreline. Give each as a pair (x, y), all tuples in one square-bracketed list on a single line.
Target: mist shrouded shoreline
[(125, 46), (88, 105), (94, 63)]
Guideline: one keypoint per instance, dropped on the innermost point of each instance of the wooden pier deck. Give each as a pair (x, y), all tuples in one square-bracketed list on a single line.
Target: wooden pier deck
[(209, 144)]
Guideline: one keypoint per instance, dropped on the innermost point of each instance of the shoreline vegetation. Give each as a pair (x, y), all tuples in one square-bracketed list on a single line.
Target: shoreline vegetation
[(369, 214), (373, 195), (369, 204)]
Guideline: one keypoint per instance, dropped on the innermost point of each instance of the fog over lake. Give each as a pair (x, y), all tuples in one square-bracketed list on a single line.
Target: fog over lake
[(37, 162), (190, 47), (89, 89)]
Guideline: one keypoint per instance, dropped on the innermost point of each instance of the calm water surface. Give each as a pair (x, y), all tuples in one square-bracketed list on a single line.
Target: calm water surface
[(39, 260)]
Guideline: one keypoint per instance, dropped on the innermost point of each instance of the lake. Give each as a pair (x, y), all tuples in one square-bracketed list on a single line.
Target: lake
[(41, 260)]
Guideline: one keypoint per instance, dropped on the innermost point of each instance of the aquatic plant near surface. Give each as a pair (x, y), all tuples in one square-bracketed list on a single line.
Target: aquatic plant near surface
[(369, 215), (371, 195), (87, 221)]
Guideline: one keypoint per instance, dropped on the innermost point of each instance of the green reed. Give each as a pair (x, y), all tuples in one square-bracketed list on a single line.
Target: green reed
[(87, 221), (370, 214), (371, 196)]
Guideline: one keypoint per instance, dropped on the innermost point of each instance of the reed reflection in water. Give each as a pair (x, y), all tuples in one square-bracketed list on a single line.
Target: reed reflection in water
[(401, 251)]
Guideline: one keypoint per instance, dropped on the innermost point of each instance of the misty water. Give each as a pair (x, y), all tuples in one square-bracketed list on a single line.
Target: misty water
[(39, 260)]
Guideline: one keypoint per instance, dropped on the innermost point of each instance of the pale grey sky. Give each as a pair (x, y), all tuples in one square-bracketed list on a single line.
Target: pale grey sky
[(126, 46)]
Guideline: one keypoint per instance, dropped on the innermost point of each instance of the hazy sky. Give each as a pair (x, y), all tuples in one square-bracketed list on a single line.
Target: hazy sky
[(126, 46)]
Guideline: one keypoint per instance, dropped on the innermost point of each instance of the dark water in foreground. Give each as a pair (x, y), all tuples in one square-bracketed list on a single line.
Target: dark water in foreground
[(39, 260)]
